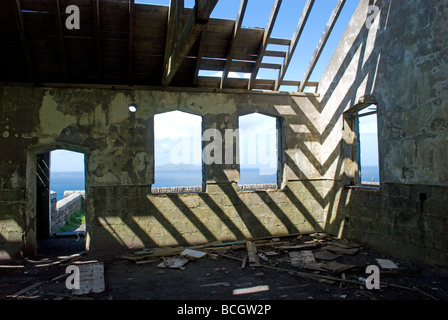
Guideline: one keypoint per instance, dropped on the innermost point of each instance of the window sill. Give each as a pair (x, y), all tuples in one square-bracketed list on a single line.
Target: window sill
[(258, 187), (367, 187), (176, 190)]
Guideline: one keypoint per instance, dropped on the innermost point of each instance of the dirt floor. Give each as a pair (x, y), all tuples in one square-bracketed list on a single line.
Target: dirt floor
[(219, 275)]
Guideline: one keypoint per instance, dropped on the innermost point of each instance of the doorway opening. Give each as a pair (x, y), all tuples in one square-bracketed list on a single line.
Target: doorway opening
[(60, 203)]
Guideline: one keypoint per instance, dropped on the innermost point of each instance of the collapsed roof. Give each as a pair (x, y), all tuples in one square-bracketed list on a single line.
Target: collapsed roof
[(125, 43)]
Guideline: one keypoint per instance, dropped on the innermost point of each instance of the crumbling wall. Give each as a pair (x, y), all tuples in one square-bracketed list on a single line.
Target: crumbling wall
[(122, 211), (401, 60)]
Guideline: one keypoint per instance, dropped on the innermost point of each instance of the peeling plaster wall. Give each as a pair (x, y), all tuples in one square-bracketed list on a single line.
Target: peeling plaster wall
[(402, 61), (122, 212)]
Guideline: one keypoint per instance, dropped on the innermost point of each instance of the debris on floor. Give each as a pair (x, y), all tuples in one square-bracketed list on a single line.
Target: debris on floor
[(321, 265), (316, 256)]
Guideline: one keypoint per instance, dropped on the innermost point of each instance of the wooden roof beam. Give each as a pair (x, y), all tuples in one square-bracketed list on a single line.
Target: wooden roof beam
[(295, 39), (61, 44), (199, 55), (97, 24), (323, 40), (23, 39), (238, 22), (131, 41), (193, 27), (265, 40)]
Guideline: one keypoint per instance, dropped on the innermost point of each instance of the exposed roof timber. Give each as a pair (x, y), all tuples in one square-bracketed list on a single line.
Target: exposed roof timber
[(171, 31), (159, 44), (280, 42), (61, 44), (323, 40), (238, 22), (193, 27), (265, 41), (295, 39), (131, 41), (97, 24), (23, 39), (199, 54)]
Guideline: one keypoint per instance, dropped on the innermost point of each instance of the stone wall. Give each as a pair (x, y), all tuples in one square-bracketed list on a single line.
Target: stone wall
[(402, 64), (401, 61), (64, 209), (122, 210)]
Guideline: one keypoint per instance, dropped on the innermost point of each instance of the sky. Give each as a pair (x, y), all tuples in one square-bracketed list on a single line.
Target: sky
[(175, 128)]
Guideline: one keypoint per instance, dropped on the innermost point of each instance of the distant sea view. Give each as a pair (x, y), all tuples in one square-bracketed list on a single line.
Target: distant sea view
[(369, 172), (62, 181)]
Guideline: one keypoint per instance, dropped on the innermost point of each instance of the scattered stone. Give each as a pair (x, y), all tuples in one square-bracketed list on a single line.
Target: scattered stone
[(173, 263), (386, 264)]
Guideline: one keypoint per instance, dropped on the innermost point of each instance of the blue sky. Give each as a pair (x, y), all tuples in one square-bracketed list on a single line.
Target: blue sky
[(257, 15)]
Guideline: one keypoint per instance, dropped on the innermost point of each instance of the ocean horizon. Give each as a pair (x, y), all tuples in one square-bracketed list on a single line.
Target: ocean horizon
[(63, 181)]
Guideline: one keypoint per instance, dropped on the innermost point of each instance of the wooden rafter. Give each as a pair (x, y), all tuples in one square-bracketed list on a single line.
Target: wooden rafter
[(97, 24), (295, 39), (265, 40), (176, 9), (193, 27), (199, 55), (323, 40), (61, 43), (23, 39), (170, 32), (238, 22), (131, 42)]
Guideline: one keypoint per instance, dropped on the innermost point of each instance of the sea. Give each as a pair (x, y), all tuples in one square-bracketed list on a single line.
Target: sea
[(62, 181), (370, 174)]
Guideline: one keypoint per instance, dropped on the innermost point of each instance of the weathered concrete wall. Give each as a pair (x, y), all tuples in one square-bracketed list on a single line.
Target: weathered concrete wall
[(403, 64), (118, 148)]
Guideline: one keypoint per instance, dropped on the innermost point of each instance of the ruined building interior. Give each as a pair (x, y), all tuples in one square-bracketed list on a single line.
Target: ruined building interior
[(71, 89)]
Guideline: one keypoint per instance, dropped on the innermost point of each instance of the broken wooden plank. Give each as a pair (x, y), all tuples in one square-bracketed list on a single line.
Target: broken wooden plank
[(146, 261), (250, 290), (132, 258), (300, 246), (228, 243), (336, 267), (254, 260), (161, 252), (70, 297), (244, 262), (73, 256), (339, 250), (25, 290)]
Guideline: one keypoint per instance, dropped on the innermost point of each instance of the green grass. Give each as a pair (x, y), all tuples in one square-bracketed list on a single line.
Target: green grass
[(76, 219)]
